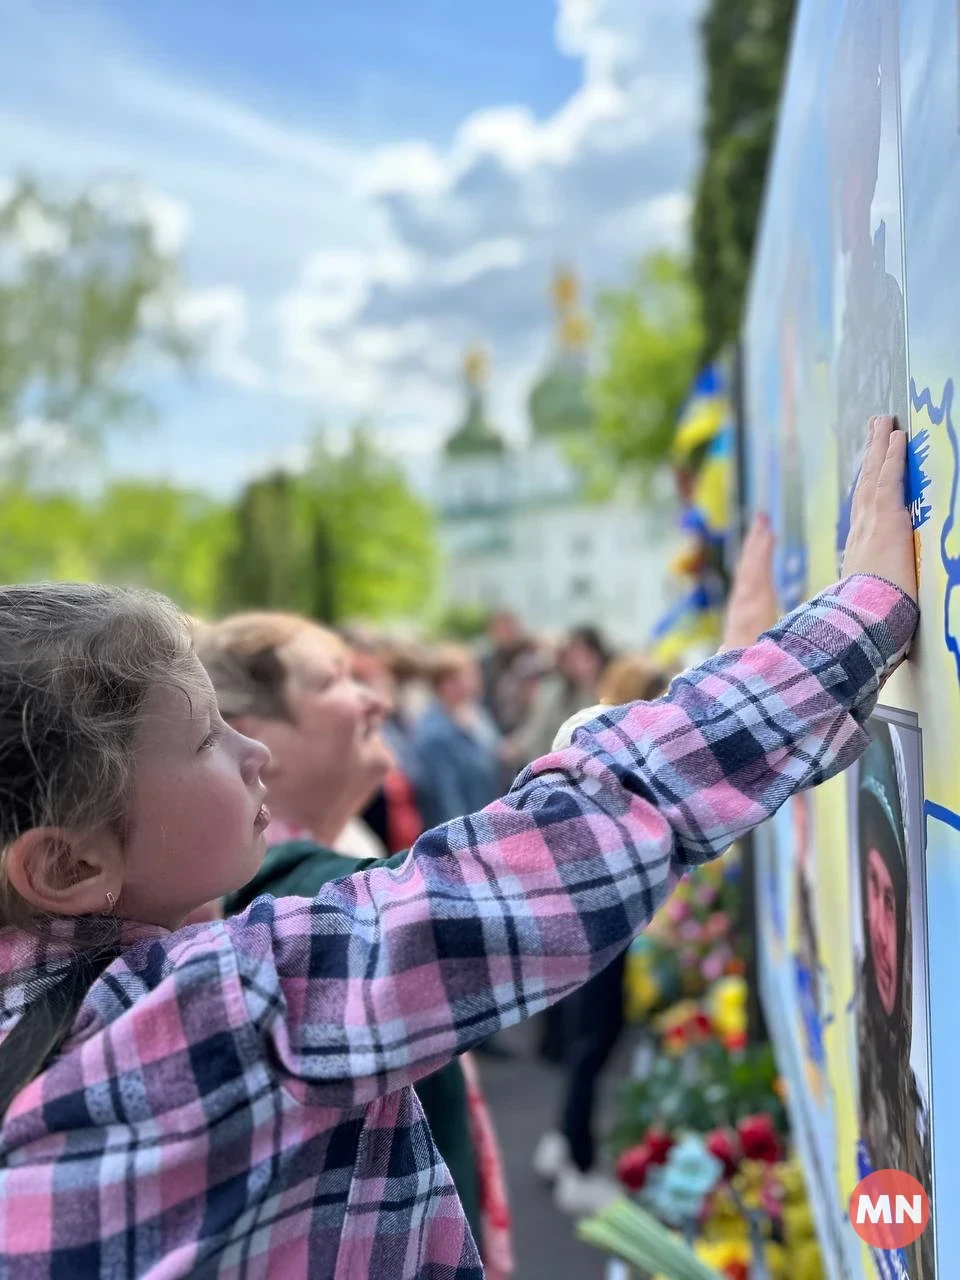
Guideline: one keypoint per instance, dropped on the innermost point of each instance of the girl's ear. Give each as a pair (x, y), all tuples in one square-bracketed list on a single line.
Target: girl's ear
[(63, 873)]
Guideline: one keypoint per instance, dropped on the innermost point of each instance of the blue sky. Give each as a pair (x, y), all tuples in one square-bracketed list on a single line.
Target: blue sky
[(368, 69), (357, 191)]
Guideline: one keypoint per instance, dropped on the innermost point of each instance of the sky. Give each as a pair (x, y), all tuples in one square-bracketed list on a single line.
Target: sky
[(358, 192)]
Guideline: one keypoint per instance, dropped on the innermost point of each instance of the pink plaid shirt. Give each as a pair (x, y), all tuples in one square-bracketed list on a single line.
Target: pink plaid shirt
[(234, 1098)]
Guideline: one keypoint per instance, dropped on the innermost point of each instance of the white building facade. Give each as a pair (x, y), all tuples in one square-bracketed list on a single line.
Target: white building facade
[(519, 533)]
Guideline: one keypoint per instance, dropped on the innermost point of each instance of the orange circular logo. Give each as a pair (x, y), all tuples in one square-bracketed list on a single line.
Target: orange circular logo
[(889, 1209)]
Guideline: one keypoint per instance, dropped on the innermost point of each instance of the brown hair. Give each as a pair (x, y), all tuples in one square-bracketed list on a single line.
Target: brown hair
[(242, 657), (449, 660), (632, 678), (77, 662)]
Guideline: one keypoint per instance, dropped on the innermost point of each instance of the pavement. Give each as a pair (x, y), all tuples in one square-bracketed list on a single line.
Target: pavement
[(523, 1094)]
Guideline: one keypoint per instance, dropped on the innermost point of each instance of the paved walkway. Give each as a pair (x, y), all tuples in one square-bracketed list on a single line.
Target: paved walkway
[(522, 1093)]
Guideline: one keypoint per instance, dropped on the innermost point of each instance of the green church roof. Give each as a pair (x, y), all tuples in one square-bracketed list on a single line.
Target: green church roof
[(559, 403), (474, 436)]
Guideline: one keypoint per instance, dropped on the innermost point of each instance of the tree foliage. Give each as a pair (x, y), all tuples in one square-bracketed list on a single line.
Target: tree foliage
[(133, 534), (268, 564), (85, 294), (344, 540), (650, 337), (745, 45), (347, 539), (381, 536), (87, 300)]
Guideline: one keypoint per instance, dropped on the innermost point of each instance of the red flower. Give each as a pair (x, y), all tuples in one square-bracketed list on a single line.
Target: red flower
[(724, 1144), (633, 1166), (676, 1039), (702, 1026), (759, 1138), (659, 1143)]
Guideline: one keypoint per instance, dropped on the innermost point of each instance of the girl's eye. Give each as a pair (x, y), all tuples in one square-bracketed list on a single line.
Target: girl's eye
[(211, 738)]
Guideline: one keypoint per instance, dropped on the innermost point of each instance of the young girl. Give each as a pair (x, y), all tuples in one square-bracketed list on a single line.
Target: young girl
[(234, 1098)]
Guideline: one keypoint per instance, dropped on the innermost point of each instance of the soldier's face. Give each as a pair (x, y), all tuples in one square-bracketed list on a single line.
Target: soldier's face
[(882, 923)]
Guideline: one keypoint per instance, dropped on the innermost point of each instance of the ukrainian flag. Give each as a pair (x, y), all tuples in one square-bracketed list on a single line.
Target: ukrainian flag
[(705, 428), (705, 413)]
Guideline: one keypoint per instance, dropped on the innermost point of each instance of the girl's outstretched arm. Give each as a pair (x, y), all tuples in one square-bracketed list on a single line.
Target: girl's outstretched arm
[(387, 974)]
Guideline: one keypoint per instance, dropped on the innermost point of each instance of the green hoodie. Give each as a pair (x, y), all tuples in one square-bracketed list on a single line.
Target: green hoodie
[(300, 869)]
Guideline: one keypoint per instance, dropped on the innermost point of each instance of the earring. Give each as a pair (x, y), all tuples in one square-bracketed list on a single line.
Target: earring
[(111, 904)]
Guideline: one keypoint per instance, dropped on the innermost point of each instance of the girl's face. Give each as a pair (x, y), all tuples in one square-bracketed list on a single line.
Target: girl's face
[(882, 922), (196, 823)]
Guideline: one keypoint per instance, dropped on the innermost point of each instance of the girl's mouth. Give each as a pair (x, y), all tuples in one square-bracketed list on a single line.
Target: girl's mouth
[(262, 820)]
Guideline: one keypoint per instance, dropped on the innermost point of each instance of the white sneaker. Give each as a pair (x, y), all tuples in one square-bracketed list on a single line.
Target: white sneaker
[(551, 1157), (581, 1194)]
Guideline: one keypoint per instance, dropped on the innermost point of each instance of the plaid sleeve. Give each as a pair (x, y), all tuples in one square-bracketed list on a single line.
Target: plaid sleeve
[(385, 975)]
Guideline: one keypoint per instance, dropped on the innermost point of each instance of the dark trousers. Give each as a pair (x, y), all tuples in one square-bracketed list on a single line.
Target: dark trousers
[(595, 1015)]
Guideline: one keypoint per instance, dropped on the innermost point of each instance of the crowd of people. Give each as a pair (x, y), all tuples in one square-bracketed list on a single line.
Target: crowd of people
[(265, 888)]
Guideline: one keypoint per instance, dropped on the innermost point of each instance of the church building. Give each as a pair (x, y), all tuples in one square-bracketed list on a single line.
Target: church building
[(518, 529)]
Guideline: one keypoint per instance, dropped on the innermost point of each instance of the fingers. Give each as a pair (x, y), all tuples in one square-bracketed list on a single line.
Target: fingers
[(890, 480), (757, 548), (763, 542), (760, 534), (878, 435)]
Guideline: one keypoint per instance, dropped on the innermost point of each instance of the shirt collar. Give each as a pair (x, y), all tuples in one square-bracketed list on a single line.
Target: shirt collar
[(30, 963)]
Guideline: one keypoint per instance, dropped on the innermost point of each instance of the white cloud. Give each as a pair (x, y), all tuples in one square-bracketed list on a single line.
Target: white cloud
[(36, 437), (333, 279), (488, 255), (408, 166), (217, 317), (168, 218), (37, 235)]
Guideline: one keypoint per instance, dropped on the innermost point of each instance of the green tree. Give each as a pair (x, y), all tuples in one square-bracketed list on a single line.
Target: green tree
[(159, 536), (650, 337), (268, 563), (380, 546), (133, 534), (348, 539), (745, 45), (85, 294), (462, 622), (44, 537)]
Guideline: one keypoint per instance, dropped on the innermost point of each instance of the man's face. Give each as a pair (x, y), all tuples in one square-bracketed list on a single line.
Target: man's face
[(882, 923)]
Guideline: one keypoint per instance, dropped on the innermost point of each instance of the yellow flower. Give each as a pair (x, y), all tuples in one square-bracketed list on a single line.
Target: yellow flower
[(720, 1254), (806, 1262), (643, 992), (797, 1223)]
